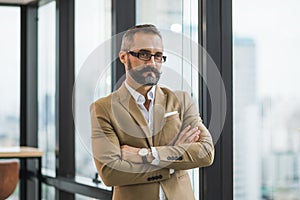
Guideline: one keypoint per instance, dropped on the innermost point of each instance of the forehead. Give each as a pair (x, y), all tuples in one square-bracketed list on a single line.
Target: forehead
[(147, 41)]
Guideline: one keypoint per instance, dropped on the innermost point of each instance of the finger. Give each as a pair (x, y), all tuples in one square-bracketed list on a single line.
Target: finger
[(122, 155), (197, 136), (183, 132), (186, 128), (192, 137), (187, 135)]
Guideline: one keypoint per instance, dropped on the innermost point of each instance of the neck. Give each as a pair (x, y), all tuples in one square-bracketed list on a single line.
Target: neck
[(142, 89)]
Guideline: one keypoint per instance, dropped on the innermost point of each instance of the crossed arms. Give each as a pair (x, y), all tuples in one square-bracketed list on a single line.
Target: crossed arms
[(118, 162)]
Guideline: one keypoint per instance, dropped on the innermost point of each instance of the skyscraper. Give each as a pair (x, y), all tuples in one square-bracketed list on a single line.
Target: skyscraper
[(247, 128)]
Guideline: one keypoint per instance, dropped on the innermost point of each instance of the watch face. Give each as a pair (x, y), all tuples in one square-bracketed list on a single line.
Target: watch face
[(143, 152)]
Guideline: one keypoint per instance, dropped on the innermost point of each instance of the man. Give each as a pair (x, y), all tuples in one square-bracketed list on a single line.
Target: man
[(145, 136)]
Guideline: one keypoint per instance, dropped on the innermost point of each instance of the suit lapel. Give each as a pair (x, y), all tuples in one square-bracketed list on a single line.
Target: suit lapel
[(133, 109), (158, 114)]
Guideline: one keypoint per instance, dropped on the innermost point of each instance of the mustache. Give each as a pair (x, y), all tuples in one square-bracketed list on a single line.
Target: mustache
[(148, 68)]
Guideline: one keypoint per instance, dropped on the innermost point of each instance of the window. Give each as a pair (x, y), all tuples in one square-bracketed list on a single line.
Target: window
[(177, 21), (81, 197), (92, 29), (266, 100), (46, 84), (10, 76), (48, 192)]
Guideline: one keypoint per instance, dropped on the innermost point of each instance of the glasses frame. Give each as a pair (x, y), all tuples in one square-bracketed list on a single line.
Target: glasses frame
[(137, 55)]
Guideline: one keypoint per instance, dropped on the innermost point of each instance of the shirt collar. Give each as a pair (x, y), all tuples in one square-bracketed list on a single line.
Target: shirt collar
[(139, 98)]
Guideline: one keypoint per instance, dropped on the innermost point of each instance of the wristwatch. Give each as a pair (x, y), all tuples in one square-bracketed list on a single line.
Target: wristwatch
[(143, 152)]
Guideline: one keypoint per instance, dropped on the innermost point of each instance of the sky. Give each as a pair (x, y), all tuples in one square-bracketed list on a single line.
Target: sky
[(274, 26)]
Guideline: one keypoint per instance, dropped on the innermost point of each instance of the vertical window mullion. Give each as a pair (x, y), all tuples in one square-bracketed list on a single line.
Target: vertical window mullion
[(29, 109), (65, 139), (123, 17), (216, 38)]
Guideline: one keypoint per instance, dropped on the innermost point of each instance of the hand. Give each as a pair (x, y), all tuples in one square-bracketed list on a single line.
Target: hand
[(130, 154), (188, 135)]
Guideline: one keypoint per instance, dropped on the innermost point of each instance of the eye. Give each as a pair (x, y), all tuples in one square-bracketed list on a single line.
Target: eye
[(144, 54), (158, 55)]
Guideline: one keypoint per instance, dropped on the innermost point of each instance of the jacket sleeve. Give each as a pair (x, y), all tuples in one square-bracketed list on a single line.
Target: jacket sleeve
[(188, 156), (107, 154)]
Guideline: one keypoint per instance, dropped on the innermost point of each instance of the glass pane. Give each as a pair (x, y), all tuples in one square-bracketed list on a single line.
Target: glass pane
[(9, 76), (46, 83), (179, 19), (92, 28), (82, 197), (48, 192), (266, 100), (176, 19)]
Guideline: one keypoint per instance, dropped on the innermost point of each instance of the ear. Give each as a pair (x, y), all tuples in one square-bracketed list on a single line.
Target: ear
[(122, 57)]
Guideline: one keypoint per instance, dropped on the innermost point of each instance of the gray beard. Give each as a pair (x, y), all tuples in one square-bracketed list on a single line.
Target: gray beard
[(137, 75)]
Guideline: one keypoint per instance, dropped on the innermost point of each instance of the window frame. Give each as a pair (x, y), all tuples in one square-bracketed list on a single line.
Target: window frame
[(215, 35), (28, 116), (216, 38)]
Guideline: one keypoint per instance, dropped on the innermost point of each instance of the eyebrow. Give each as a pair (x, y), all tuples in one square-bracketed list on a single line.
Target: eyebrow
[(150, 51)]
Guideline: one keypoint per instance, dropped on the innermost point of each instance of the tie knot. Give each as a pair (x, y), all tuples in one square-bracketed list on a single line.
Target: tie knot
[(147, 104)]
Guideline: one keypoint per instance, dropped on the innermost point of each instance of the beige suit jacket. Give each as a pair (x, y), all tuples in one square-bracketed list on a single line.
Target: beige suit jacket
[(117, 120)]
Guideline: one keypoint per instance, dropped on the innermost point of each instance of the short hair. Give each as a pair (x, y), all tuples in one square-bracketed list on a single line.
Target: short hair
[(127, 38)]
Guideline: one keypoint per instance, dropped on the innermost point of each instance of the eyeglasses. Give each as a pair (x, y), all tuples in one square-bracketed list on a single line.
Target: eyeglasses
[(146, 56)]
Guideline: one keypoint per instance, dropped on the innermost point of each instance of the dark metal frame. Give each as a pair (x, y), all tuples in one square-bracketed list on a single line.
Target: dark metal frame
[(9, 4), (216, 37), (29, 188), (65, 137), (123, 17), (71, 186)]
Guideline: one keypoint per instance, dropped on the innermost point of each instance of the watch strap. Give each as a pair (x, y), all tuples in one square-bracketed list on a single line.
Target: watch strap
[(144, 158)]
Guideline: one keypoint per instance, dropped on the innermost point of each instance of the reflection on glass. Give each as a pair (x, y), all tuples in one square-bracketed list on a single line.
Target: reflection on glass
[(82, 197), (92, 28), (180, 17), (266, 100), (48, 192), (46, 84), (9, 76)]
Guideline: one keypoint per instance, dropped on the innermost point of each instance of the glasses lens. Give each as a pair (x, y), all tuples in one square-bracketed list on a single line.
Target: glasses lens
[(158, 57), (144, 55)]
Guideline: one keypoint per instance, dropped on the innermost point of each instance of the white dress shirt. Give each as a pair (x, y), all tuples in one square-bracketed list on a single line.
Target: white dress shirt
[(148, 115)]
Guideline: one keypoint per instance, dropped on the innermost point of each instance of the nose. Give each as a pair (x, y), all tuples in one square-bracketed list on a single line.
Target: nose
[(151, 61)]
